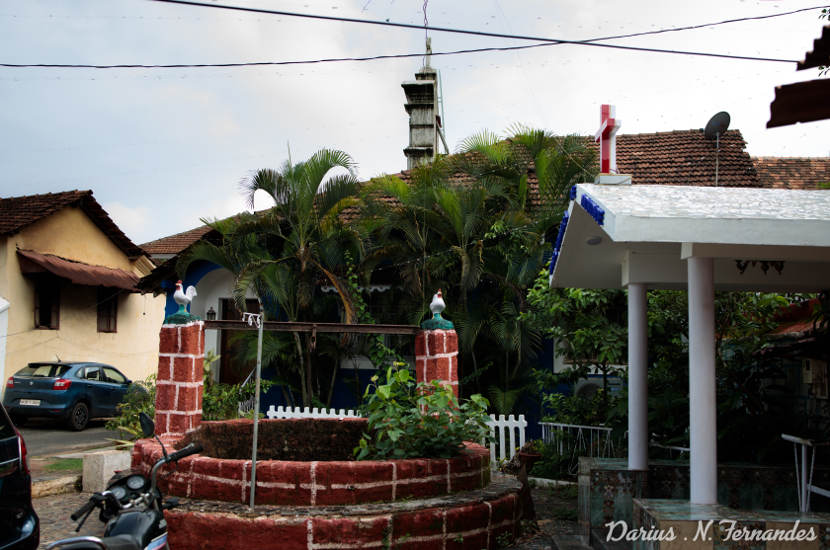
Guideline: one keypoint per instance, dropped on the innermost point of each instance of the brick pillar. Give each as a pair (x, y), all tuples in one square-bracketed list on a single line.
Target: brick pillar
[(179, 383), (436, 357)]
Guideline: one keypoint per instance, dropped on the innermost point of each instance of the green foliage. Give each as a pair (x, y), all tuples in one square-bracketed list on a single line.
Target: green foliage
[(552, 465), (588, 328), (481, 242), (140, 397), (219, 402), (409, 420), (569, 409)]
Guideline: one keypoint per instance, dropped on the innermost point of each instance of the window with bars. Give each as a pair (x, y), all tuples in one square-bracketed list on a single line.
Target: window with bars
[(107, 309), (47, 304)]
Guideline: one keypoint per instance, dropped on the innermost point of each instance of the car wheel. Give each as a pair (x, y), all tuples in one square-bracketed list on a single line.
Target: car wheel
[(78, 416)]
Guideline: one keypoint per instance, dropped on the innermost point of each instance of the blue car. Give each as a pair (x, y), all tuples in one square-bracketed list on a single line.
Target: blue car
[(72, 392)]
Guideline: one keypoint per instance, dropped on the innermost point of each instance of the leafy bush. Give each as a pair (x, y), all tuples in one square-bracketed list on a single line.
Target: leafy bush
[(409, 420), (221, 401), (553, 465), (141, 397)]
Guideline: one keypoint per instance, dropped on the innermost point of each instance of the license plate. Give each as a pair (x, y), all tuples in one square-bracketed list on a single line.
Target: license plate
[(30, 402)]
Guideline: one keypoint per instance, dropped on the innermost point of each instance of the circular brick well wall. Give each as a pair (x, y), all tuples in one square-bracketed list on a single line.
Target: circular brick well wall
[(307, 462)]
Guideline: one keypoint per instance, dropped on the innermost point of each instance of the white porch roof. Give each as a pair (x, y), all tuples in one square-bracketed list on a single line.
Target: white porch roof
[(646, 232)]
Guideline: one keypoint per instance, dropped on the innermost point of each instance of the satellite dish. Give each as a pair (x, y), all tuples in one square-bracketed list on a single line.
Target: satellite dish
[(715, 128), (717, 125)]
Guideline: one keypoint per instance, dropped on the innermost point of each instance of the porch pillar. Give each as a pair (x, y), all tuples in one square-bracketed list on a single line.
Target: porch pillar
[(637, 377), (703, 440)]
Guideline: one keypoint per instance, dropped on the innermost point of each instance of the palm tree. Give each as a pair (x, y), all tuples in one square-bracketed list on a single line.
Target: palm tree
[(283, 254)]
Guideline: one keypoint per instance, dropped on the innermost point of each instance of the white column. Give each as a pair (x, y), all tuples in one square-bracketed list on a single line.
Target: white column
[(637, 377), (703, 439)]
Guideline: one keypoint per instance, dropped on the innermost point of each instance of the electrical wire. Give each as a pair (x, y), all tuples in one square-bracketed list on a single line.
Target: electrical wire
[(542, 42), (590, 42)]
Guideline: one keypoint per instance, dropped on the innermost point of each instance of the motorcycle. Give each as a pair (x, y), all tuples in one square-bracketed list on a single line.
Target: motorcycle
[(132, 507)]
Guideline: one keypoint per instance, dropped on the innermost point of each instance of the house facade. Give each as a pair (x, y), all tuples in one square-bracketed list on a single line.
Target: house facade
[(67, 287)]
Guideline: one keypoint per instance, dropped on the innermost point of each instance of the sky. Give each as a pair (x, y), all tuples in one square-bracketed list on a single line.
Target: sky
[(164, 148)]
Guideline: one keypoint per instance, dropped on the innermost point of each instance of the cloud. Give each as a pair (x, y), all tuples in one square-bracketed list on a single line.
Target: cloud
[(133, 221)]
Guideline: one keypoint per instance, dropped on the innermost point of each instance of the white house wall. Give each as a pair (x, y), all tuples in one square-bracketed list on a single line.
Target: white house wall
[(213, 287)]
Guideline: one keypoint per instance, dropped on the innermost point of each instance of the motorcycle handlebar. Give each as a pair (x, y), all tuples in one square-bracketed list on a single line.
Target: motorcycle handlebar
[(191, 449), (83, 510)]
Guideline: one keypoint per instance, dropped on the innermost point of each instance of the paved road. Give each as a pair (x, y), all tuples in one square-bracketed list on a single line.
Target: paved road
[(44, 438)]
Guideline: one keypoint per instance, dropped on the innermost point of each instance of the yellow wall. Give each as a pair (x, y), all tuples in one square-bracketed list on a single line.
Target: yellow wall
[(70, 234), (133, 349)]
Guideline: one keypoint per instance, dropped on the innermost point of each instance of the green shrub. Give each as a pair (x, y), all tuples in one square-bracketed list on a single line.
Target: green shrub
[(409, 420), (553, 465), (221, 401), (141, 397)]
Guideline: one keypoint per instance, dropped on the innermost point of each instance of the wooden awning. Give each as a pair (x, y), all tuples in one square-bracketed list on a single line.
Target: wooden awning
[(820, 54), (76, 272), (800, 102)]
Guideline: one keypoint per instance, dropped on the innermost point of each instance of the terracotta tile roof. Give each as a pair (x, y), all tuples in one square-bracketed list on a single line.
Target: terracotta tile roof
[(793, 172), (17, 213), (681, 157), (174, 244), (685, 157)]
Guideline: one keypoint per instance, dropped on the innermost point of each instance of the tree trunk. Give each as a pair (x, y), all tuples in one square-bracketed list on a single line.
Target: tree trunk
[(300, 356)]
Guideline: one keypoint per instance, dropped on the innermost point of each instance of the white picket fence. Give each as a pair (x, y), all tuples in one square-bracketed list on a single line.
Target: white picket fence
[(508, 433), (299, 412), (505, 432)]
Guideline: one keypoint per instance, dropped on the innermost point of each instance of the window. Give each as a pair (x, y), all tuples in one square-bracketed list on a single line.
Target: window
[(47, 304), (43, 370), (114, 376), (92, 373), (107, 309)]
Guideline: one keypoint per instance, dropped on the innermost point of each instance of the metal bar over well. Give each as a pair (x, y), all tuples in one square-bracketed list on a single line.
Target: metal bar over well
[(286, 326)]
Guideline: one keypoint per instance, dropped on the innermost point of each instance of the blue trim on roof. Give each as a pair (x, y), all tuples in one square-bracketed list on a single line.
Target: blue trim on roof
[(573, 192), (593, 209), (558, 243)]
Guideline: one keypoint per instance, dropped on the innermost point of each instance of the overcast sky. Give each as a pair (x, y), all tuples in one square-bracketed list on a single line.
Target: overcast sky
[(162, 148)]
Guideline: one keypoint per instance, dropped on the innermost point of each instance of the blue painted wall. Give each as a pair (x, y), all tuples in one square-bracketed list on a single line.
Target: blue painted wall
[(195, 272)]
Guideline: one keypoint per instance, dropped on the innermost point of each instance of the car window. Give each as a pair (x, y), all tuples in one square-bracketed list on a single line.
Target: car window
[(45, 371), (91, 373), (114, 376)]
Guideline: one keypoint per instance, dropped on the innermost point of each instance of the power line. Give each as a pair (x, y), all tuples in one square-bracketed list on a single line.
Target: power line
[(543, 42), (590, 42), (262, 63)]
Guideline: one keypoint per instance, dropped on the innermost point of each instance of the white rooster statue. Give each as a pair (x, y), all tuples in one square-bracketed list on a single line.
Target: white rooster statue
[(437, 305), (183, 297)]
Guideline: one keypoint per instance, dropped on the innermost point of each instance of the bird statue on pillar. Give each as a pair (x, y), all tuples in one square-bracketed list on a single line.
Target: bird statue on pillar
[(436, 307), (182, 297)]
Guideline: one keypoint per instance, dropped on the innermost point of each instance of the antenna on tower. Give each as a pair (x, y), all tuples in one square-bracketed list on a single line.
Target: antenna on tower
[(715, 128)]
